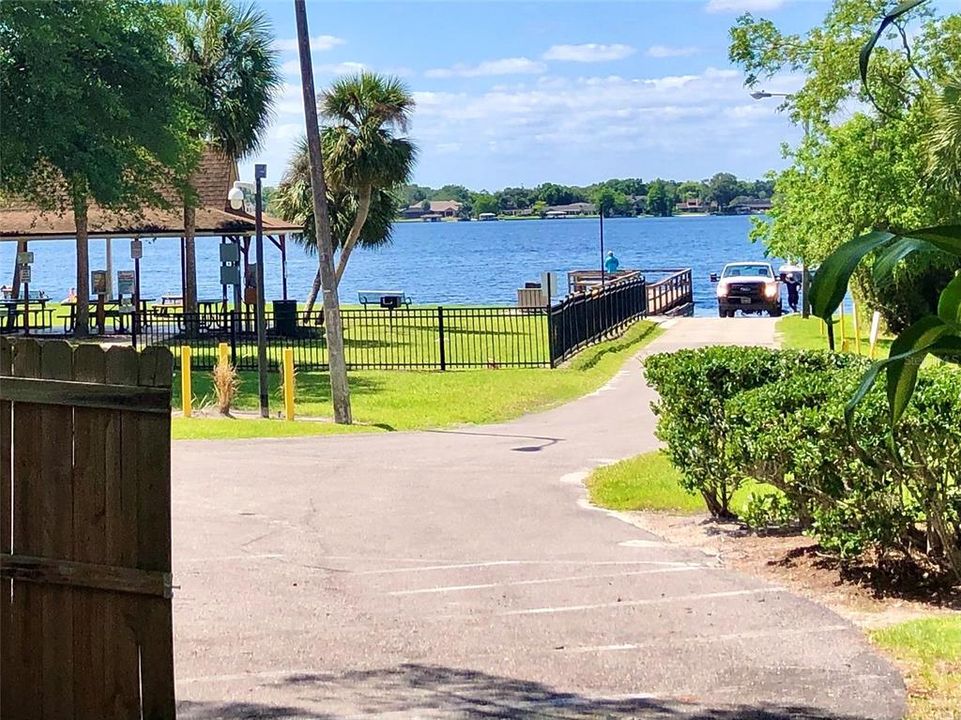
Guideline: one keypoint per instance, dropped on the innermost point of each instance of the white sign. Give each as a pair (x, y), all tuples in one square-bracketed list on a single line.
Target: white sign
[(25, 274), (136, 249), (549, 286), (24, 258)]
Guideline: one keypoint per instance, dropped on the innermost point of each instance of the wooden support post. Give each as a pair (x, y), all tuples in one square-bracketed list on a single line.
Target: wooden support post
[(289, 383), (186, 393)]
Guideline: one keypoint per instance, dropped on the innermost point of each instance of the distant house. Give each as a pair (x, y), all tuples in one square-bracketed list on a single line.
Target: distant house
[(487, 217), (749, 206), (578, 208), (692, 205), (442, 208)]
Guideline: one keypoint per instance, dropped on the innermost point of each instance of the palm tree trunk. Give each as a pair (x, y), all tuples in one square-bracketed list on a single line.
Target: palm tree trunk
[(314, 290), (339, 389), (190, 260), (82, 326), (363, 208)]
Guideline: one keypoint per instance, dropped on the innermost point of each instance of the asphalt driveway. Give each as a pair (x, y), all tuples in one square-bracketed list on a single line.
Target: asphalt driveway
[(461, 573)]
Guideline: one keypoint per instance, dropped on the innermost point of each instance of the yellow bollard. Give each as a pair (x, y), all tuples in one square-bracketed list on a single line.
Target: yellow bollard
[(857, 328), (844, 340), (223, 353), (289, 381), (186, 393)]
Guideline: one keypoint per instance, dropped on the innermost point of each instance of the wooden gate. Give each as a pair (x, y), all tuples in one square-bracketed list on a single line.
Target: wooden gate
[(85, 609)]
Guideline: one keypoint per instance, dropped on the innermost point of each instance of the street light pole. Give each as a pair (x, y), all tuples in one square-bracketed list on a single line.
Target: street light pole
[(805, 275), (260, 172), (602, 247)]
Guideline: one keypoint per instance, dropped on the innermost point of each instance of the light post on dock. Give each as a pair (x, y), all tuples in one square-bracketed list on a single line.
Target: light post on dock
[(805, 275)]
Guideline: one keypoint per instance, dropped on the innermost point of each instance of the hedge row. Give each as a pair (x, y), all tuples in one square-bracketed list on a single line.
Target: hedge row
[(728, 414)]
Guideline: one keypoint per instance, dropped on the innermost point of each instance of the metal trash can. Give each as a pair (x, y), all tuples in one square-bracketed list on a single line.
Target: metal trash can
[(285, 317)]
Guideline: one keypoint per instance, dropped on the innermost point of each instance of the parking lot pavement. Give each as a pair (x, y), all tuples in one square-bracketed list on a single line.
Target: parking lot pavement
[(461, 573)]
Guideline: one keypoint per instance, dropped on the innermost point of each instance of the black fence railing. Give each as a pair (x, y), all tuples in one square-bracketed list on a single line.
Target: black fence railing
[(598, 314), (438, 338)]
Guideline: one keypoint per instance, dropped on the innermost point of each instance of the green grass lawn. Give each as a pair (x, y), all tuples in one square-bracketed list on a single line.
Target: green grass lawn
[(650, 482), (799, 333), (930, 649), (410, 400)]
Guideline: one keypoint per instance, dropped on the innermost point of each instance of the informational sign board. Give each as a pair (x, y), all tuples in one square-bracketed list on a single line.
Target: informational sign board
[(230, 275), (229, 253), (98, 282), (125, 282), (25, 274), (136, 249), (25, 258)]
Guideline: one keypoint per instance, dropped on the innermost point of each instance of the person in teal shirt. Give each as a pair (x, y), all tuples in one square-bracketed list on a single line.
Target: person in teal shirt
[(611, 264)]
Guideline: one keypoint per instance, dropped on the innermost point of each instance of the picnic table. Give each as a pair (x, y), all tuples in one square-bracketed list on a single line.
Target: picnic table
[(38, 316), (114, 310)]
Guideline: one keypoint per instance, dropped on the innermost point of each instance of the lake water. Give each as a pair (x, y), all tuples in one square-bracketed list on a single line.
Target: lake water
[(437, 263)]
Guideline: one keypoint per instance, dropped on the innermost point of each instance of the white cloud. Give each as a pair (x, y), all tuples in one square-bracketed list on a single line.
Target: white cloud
[(589, 52), (319, 43), (718, 6), (504, 66), (292, 68), (667, 51)]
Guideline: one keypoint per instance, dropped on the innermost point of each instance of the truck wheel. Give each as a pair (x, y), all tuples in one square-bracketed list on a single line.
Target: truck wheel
[(722, 312), (775, 312)]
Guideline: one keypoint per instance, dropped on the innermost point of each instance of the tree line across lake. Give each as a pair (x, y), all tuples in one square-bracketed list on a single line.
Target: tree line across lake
[(619, 197)]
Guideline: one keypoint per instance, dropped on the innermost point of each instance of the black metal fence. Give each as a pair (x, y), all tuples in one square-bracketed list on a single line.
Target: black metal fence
[(438, 338), (588, 317)]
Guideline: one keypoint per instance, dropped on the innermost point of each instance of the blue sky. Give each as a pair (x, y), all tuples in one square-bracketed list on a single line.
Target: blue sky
[(571, 92)]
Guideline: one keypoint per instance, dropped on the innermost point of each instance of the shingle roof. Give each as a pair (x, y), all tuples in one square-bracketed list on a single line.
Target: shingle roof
[(213, 178)]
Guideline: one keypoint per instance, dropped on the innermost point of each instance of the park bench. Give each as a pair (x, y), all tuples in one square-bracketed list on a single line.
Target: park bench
[(387, 299)]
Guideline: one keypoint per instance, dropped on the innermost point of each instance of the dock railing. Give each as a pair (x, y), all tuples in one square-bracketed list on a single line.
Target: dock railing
[(671, 294)]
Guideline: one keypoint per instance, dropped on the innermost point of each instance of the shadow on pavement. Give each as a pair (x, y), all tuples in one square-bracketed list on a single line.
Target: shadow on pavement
[(432, 691)]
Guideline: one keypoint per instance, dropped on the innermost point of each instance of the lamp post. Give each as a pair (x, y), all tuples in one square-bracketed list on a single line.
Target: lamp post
[(805, 276), (236, 198)]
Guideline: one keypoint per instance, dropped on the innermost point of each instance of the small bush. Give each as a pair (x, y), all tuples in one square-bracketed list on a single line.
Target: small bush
[(694, 386), (226, 386), (777, 417)]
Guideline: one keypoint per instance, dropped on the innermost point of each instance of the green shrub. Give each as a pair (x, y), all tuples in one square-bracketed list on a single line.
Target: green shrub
[(792, 435), (765, 511), (694, 386)]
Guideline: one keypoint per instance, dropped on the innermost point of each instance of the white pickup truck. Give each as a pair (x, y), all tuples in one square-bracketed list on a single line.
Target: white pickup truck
[(751, 287)]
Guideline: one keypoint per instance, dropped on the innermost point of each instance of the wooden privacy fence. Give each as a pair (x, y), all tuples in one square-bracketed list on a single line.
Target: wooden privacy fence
[(85, 608)]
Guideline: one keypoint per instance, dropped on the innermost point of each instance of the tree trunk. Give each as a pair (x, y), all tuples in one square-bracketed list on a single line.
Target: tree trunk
[(363, 209), (314, 289), (82, 327), (339, 390), (15, 283), (190, 260)]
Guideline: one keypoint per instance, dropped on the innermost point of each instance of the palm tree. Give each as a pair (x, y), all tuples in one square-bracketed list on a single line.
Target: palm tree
[(361, 150), (233, 71), (293, 202), (944, 139)]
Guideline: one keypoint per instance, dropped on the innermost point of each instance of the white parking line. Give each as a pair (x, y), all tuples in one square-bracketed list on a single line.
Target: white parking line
[(500, 563), (635, 603), (541, 581), (707, 639)]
